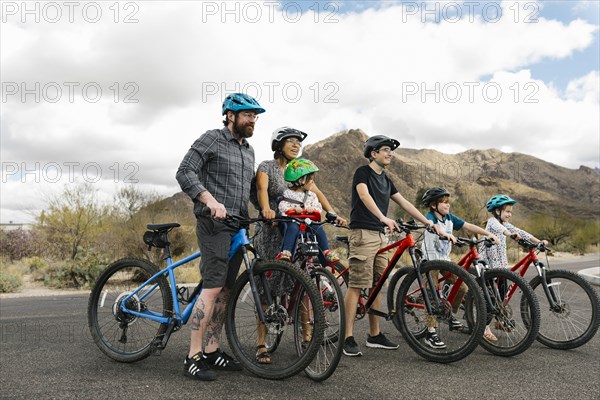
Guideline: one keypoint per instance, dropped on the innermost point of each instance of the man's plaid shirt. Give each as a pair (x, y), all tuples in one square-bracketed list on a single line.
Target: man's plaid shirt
[(217, 162)]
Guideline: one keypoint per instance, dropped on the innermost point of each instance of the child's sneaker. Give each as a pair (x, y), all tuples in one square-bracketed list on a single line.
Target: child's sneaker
[(455, 325), (331, 256), (381, 342), (433, 340), (197, 368), (284, 255)]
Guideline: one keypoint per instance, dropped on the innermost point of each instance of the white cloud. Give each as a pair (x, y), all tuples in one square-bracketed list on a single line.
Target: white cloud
[(359, 70)]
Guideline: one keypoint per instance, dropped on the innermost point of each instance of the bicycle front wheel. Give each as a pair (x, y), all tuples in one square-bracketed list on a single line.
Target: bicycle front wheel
[(328, 357), (294, 320), (413, 315), (513, 312), (417, 316), (571, 320), (120, 335)]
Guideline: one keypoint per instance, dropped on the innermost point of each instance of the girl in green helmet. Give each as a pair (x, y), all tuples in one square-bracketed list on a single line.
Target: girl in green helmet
[(300, 202)]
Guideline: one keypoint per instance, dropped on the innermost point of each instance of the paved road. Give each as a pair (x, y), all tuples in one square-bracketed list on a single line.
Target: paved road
[(46, 352)]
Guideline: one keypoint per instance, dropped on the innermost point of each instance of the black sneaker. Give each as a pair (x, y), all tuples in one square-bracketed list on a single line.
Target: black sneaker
[(197, 368), (223, 361), (433, 340), (351, 348), (380, 342)]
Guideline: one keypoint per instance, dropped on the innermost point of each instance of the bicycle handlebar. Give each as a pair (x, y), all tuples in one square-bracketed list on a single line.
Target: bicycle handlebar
[(413, 226), (233, 219), (529, 245), (473, 242)]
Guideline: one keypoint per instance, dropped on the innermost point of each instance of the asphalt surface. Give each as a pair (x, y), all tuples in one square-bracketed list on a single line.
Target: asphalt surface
[(46, 352)]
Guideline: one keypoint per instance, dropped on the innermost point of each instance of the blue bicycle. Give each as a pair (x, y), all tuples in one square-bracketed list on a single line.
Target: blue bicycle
[(134, 307)]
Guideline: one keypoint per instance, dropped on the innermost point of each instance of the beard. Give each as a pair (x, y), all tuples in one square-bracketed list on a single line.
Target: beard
[(243, 130)]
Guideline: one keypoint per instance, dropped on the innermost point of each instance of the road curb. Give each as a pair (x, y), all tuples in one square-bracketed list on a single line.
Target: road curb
[(591, 274)]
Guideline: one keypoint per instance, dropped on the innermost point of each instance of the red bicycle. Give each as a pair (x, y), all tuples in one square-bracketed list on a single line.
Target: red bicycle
[(569, 304), (419, 298), (513, 310)]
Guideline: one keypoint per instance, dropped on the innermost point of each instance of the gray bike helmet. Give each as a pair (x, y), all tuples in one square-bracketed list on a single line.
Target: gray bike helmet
[(375, 142)]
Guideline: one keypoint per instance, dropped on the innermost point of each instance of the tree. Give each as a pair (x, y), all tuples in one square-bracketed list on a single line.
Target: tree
[(129, 200), (72, 219), (555, 228)]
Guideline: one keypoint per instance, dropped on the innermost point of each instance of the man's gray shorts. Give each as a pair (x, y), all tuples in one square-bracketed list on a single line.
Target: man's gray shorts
[(214, 239)]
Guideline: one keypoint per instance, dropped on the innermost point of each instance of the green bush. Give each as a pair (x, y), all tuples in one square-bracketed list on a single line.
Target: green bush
[(9, 282), (81, 272), (36, 264)]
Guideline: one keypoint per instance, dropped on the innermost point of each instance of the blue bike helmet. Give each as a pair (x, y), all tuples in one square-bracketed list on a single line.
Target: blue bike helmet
[(498, 201), (240, 102)]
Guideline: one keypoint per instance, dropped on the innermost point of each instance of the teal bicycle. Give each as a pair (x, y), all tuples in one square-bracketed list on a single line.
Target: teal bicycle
[(135, 307)]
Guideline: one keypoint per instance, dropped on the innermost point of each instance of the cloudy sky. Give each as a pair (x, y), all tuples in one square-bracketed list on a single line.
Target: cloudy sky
[(113, 93)]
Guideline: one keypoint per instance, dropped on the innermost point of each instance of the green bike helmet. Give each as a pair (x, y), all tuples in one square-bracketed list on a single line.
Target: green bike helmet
[(299, 168), (498, 201)]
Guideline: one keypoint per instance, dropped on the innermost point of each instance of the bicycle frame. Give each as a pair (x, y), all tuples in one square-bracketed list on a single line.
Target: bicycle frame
[(472, 258), (523, 265), (180, 317), (401, 246), (238, 241)]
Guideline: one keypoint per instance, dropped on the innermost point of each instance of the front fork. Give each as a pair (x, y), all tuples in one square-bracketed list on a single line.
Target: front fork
[(480, 268), (422, 285), (547, 285), (253, 287)]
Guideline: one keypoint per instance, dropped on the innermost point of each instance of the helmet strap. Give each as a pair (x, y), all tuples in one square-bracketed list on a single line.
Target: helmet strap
[(379, 164)]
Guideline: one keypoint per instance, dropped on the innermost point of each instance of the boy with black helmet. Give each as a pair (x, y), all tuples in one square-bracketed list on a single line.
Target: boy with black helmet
[(437, 200), (371, 193)]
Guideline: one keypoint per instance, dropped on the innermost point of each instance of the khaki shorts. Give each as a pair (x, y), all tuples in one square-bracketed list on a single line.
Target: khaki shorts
[(365, 267)]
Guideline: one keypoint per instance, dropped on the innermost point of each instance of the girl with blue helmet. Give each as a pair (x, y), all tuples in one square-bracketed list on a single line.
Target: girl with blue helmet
[(501, 207)]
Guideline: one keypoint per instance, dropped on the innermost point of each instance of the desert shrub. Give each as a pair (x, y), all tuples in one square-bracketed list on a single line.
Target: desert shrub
[(9, 281)]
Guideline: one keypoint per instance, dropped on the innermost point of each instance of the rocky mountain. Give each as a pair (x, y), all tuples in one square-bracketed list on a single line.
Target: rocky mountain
[(475, 175), (538, 185)]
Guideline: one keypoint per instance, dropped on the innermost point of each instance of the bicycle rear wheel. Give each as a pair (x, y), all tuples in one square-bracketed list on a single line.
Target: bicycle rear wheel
[(330, 351), (574, 320), (292, 353), (122, 336), (515, 321), (458, 343)]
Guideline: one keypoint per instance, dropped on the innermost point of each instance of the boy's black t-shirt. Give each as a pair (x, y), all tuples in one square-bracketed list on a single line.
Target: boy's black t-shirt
[(380, 188)]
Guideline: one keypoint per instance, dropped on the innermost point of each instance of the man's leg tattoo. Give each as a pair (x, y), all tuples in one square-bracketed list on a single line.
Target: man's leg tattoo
[(198, 315)]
